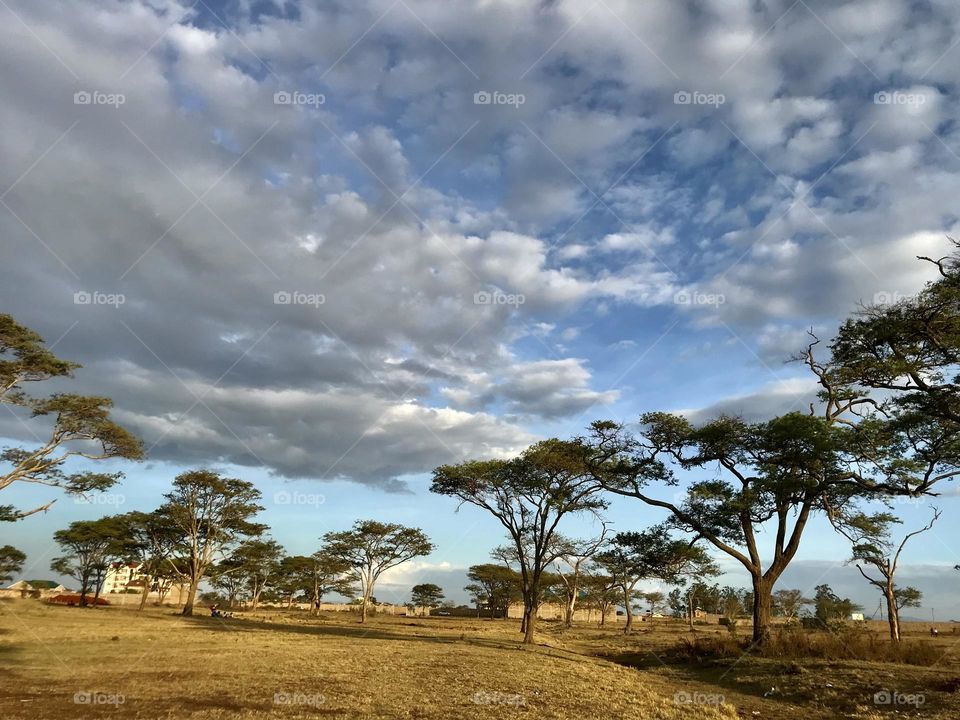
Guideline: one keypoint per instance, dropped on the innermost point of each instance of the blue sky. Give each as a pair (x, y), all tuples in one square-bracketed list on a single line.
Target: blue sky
[(660, 197)]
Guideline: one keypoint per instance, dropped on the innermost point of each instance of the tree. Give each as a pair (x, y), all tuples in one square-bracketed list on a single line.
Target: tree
[(82, 427), (600, 592), (212, 513), (426, 595), (328, 574), (149, 539), (257, 562), (655, 599), (369, 548), (89, 547), (11, 561), (574, 555), (789, 603), (772, 473), (626, 564), (907, 597), (873, 548), (829, 607), (496, 586), (528, 495)]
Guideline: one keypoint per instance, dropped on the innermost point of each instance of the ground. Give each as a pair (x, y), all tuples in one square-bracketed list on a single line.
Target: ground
[(62, 662)]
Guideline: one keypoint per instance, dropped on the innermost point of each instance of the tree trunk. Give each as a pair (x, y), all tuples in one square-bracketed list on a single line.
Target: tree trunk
[(147, 583), (191, 598), (626, 606), (762, 602), (531, 622), (363, 609), (893, 615)]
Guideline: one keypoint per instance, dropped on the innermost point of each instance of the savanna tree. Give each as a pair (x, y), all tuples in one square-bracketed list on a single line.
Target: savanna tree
[(496, 586), (877, 556), (79, 426), (258, 563), (529, 495), (88, 547), (771, 477), (574, 557), (11, 561), (426, 596), (789, 602), (370, 548), (212, 514), (150, 540)]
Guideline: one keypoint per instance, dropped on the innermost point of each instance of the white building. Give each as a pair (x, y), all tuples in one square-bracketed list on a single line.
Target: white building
[(122, 577)]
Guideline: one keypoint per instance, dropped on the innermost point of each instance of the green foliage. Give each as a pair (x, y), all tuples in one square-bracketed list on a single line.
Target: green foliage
[(426, 595), (11, 561)]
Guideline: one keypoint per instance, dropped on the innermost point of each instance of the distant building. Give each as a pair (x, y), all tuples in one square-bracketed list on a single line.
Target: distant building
[(32, 588), (123, 577)]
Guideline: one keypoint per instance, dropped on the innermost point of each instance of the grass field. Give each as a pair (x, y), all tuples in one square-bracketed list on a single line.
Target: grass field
[(64, 662)]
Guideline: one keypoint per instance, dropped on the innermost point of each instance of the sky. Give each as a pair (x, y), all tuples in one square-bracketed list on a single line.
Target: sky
[(329, 246)]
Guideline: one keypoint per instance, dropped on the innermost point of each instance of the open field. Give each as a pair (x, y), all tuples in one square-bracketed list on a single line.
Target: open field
[(70, 662)]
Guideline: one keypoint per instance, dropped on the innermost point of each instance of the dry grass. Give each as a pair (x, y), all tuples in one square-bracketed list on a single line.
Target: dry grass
[(164, 666)]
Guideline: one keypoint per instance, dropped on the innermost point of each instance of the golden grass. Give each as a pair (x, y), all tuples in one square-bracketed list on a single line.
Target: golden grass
[(80, 663)]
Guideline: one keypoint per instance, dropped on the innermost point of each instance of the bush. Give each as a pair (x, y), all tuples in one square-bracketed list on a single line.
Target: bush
[(792, 642)]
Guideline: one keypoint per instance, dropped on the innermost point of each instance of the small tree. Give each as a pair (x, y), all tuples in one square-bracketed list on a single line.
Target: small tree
[(575, 554), (149, 539), (89, 547), (257, 562), (830, 607), (874, 549), (496, 586), (789, 603), (625, 563), (600, 592), (81, 425), (528, 495), (372, 547), (212, 513), (655, 599), (426, 596), (11, 561)]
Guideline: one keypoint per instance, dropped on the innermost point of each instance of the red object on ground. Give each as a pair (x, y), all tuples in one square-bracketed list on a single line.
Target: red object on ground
[(65, 599)]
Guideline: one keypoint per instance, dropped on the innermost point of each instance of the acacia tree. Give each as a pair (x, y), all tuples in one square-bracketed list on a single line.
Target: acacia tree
[(874, 548), (149, 539), (369, 548), (426, 596), (327, 574), (81, 425), (496, 586), (11, 560), (789, 602), (258, 563), (773, 473), (212, 513), (626, 566), (600, 592), (89, 547), (528, 495), (575, 554)]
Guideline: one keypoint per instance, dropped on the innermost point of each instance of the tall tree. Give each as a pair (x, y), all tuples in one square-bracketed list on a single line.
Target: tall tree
[(258, 561), (213, 513), (371, 547), (150, 540), (89, 547), (528, 495), (11, 560), (775, 473), (874, 549), (81, 426), (426, 596)]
